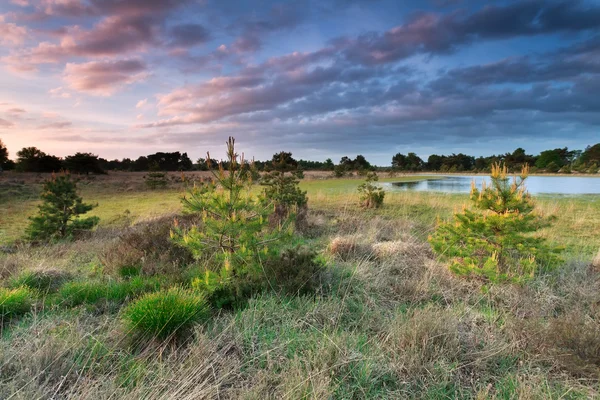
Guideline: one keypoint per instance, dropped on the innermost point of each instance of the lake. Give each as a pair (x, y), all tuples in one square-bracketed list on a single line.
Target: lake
[(534, 184)]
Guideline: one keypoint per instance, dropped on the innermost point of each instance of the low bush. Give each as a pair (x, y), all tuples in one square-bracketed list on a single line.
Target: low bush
[(156, 180), (146, 249), (296, 270), (166, 313), (95, 292), (49, 280), (371, 195), (14, 302)]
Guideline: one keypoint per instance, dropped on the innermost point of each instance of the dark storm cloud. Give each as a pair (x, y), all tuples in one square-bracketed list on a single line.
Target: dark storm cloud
[(188, 35), (438, 34)]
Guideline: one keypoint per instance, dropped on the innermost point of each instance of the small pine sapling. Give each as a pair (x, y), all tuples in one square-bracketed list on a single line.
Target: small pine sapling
[(58, 215), (281, 189), (371, 195), (234, 231), (494, 241)]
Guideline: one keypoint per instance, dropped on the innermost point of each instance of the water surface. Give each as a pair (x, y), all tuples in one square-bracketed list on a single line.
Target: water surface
[(534, 184)]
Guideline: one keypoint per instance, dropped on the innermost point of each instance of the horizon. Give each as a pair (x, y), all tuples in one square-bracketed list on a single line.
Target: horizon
[(321, 79)]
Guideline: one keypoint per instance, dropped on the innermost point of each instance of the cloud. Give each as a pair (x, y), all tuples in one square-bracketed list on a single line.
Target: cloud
[(16, 110), (433, 33), (141, 103), (5, 124), (12, 34), (104, 77), (188, 35), (56, 125), (59, 92)]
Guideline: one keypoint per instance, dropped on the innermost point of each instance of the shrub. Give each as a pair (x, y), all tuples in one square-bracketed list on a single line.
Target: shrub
[(58, 215), (295, 270), (89, 292), (282, 190), (371, 195), (166, 313), (493, 242), (146, 247), (156, 180), (235, 228), (49, 280), (14, 302)]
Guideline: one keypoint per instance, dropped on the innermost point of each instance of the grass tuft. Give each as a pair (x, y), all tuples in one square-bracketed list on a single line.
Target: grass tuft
[(166, 313), (14, 302)]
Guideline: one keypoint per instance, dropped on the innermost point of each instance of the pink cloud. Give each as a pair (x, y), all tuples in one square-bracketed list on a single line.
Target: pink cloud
[(104, 77), (11, 34), (59, 92), (16, 110), (56, 125), (5, 124)]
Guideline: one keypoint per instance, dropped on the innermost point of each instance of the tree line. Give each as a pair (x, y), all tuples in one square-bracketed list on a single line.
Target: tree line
[(32, 159)]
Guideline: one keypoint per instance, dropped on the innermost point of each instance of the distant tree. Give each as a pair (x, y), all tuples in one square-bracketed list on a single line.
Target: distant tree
[(185, 163), (28, 159), (3, 154), (361, 163), (58, 215), (32, 159), (591, 154), (141, 164), (559, 157), (347, 162), (201, 164), (414, 162), (329, 164), (399, 161), (481, 164), (83, 163), (435, 162), (48, 163)]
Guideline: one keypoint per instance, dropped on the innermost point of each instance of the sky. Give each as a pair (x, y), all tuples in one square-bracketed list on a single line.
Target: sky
[(320, 78)]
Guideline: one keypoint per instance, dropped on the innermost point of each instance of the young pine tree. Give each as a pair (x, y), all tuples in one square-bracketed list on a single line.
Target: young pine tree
[(494, 241), (281, 189), (58, 215), (234, 231), (371, 195)]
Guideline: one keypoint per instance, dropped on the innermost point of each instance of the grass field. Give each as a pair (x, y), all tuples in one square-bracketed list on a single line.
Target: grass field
[(389, 321)]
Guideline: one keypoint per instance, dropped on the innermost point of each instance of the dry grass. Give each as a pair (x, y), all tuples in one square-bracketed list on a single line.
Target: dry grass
[(389, 321)]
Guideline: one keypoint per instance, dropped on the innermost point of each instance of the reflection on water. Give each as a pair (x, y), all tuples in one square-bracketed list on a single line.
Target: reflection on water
[(535, 184)]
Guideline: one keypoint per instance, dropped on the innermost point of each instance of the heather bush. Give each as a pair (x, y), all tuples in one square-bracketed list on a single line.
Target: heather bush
[(49, 280), (166, 313), (494, 241), (147, 249), (295, 270)]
